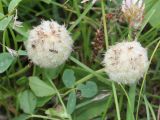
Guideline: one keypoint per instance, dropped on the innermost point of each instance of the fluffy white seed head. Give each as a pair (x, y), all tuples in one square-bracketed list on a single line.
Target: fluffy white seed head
[(133, 11), (49, 44), (126, 62)]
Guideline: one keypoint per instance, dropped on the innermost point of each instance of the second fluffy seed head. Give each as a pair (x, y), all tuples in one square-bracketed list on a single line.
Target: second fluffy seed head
[(126, 62), (49, 44)]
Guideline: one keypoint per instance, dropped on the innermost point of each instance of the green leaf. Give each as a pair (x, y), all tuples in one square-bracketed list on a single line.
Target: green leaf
[(155, 19), (1, 15), (40, 88), (68, 78), (13, 4), (27, 101), (43, 100), (71, 104), (88, 90), (5, 61), (4, 22)]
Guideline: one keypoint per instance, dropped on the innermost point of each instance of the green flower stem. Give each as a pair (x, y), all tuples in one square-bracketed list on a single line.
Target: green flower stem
[(59, 96), (130, 33), (43, 117), (116, 101), (17, 73), (130, 110), (129, 102), (3, 39), (67, 92), (104, 23)]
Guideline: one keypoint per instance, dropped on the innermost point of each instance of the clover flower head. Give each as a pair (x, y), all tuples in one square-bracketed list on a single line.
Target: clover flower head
[(49, 44), (126, 62), (133, 12)]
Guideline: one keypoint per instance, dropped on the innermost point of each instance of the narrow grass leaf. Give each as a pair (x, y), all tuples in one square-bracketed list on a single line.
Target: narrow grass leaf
[(147, 108), (151, 109), (5, 22), (81, 16)]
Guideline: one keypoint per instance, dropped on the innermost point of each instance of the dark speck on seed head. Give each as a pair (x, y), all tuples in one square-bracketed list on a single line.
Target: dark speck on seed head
[(52, 50), (130, 48), (33, 46)]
